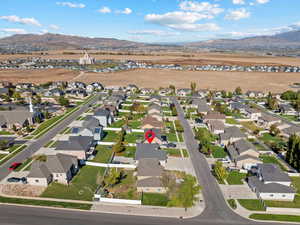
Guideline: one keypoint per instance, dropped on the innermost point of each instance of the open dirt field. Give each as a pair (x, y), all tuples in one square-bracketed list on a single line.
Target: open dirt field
[(274, 82), (37, 76), (184, 58)]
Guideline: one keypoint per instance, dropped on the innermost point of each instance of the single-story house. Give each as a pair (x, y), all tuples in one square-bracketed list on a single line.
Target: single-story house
[(150, 151), (230, 135)]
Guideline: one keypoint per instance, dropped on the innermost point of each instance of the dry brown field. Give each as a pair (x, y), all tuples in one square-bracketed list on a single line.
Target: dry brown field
[(274, 82), (174, 57)]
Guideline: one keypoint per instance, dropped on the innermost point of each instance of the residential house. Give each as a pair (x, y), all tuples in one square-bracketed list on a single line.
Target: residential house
[(184, 92), (104, 116), (230, 135), (90, 127), (252, 113), (288, 131), (58, 168), (159, 137), (216, 126), (202, 107), (214, 116), (243, 154), (150, 122), (154, 108), (271, 183), (287, 109), (266, 121), (79, 146), (238, 106), (149, 173), (150, 151), (147, 91)]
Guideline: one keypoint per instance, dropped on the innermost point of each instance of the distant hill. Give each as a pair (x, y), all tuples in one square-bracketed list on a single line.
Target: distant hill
[(288, 41), (58, 41)]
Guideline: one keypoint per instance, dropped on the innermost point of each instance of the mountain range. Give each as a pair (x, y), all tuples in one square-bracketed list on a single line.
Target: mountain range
[(289, 41)]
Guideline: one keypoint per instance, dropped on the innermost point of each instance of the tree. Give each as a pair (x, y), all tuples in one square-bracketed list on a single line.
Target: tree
[(3, 144), (274, 130), (47, 115), (193, 87), (272, 102), (238, 91), (172, 87), (63, 101), (16, 95), (220, 171), (114, 177), (14, 128)]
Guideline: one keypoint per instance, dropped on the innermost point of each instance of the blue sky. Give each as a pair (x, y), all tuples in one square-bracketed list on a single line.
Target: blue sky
[(150, 20)]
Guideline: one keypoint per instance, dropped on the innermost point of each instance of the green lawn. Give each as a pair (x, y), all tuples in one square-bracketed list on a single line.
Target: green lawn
[(135, 124), (155, 199), (235, 178), (218, 152), (272, 159), (129, 152), (3, 132), (103, 154), (46, 203), (24, 164), (118, 124), (110, 136), (171, 137), (252, 204), (251, 126), (11, 155), (82, 187), (13, 148), (46, 124), (133, 137), (258, 146), (172, 152), (269, 139), (290, 118), (231, 121), (275, 217), (232, 203), (180, 136)]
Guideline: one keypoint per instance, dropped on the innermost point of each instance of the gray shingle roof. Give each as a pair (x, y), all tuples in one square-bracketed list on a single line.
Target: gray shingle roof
[(243, 145), (232, 132), (149, 167), (102, 112), (260, 187), (149, 151), (80, 143), (39, 170), (271, 172), (60, 163)]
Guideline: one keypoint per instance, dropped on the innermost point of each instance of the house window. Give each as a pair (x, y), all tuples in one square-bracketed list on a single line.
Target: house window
[(56, 175), (271, 195), (283, 195), (36, 181)]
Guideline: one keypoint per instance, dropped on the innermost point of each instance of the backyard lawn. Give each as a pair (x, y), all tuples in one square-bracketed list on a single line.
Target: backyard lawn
[(110, 136), (269, 139), (251, 126), (272, 159), (118, 124), (133, 137), (218, 152), (129, 152), (82, 187), (252, 204), (103, 154), (135, 124), (235, 178)]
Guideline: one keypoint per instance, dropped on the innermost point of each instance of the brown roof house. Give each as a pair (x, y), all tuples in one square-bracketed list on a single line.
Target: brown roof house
[(243, 154), (216, 126), (214, 116), (150, 122), (149, 173), (59, 168), (159, 137)]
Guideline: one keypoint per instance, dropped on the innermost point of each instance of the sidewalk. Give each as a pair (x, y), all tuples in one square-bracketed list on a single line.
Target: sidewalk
[(154, 211)]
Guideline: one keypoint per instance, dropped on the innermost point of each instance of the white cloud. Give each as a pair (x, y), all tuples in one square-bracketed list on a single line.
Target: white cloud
[(71, 4), (193, 27), (262, 1), (44, 31), (238, 2), (204, 7), (14, 30), (54, 27), (152, 32), (16, 19), (126, 11), (104, 10), (238, 14)]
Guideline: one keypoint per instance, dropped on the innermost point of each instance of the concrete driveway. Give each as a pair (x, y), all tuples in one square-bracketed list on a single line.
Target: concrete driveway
[(237, 192), (180, 164)]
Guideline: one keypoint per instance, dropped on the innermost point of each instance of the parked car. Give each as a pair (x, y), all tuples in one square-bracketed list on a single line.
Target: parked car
[(171, 145), (13, 180), (14, 165)]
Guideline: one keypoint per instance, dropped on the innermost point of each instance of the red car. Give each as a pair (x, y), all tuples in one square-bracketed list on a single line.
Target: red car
[(14, 166)]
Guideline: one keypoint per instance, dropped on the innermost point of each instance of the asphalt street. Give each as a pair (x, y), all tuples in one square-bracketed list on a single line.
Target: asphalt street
[(217, 212), (36, 144)]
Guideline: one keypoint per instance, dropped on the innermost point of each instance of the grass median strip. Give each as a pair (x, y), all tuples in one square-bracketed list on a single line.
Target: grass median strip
[(46, 203), (275, 217), (9, 156), (252, 204)]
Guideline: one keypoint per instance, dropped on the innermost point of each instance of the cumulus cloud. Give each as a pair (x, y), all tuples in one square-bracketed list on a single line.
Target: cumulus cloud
[(54, 27), (16, 19), (14, 31), (105, 10), (238, 2), (125, 11), (71, 4), (238, 14), (262, 1), (204, 7)]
